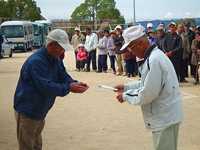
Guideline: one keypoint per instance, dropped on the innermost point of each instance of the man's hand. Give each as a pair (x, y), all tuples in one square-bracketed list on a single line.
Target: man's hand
[(119, 96), (170, 53), (114, 48), (78, 87), (120, 87)]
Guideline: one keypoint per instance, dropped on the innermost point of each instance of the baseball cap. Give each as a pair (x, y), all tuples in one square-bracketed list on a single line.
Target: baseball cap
[(149, 25), (118, 27), (81, 45), (160, 28), (187, 23), (77, 29), (154, 31), (131, 34), (62, 38), (172, 23)]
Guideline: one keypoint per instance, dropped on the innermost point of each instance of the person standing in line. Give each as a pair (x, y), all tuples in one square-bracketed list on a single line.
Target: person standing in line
[(184, 54), (160, 36), (172, 45), (191, 37), (43, 77), (118, 40), (81, 58), (1, 41), (152, 34), (111, 50), (196, 56), (102, 52), (77, 39), (157, 92), (91, 45)]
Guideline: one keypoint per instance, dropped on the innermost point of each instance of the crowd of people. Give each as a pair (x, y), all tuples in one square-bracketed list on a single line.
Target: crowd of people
[(179, 43)]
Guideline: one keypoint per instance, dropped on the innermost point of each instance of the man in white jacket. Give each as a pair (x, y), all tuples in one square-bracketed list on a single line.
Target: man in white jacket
[(157, 92)]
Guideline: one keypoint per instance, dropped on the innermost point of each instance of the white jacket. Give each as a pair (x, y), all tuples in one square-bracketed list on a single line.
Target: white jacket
[(91, 42), (157, 92)]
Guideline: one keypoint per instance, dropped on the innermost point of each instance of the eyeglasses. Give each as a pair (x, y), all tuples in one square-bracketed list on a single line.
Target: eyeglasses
[(130, 48)]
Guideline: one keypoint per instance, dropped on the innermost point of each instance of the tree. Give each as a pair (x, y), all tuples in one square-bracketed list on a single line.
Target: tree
[(20, 9), (193, 21), (95, 12)]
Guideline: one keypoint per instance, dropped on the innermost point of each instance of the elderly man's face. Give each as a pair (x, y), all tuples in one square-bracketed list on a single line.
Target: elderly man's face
[(88, 32), (77, 32), (160, 32), (55, 49), (180, 29), (172, 29), (187, 28), (135, 48)]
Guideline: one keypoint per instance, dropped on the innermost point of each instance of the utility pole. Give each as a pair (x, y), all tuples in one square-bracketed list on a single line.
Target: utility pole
[(134, 12)]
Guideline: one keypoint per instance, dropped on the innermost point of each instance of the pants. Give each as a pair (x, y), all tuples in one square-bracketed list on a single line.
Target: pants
[(183, 68), (176, 63), (130, 66), (166, 139), (112, 62), (76, 58), (80, 64), (102, 63), (91, 56), (120, 61), (194, 68), (29, 132)]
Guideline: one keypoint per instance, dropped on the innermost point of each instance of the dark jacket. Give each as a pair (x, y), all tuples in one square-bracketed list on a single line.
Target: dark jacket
[(173, 42), (191, 36), (118, 40), (42, 78)]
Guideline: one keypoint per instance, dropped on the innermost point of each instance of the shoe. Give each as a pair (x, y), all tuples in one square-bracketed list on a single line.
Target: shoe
[(133, 75), (104, 71), (98, 71), (184, 81), (114, 72), (195, 83), (128, 75), (118, 74), (95, 70), (81, 70), (124, 74), (77, 70), (87, 70)]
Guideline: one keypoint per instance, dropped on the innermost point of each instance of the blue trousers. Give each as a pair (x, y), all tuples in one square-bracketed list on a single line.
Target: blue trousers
[(102, 63), (112, 61), (130, 66)]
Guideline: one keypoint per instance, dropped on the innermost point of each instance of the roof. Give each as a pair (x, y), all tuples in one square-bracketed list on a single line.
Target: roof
[(7, 23)]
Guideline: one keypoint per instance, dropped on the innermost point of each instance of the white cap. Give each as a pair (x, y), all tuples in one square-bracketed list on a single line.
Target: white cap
[(81, 45), (118, 27), (61, 37), (172, 23), (77, 29), (149, 25), (131, 34)]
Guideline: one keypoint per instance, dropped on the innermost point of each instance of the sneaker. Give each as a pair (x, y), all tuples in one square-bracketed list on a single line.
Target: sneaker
[(87, 70), (128, 75), (77, 70), (133, 75), (124, 74), (114, 72), (104, 71), (81, 70), (118, 74)]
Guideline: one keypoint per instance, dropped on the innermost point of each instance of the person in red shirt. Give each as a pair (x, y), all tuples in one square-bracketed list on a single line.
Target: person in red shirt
[(81, 58)]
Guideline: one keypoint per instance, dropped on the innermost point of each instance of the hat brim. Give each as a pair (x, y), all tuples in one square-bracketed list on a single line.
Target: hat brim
[(66, 47), (124, 46)]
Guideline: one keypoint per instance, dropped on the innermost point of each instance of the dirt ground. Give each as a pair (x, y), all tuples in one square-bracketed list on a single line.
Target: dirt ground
[(94, 120)]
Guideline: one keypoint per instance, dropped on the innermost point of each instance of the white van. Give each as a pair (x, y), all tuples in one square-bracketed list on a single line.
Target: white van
[(20, 33)]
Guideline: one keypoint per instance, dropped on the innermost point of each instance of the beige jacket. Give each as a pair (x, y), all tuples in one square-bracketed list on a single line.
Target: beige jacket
[(76, 40), (186, 46)]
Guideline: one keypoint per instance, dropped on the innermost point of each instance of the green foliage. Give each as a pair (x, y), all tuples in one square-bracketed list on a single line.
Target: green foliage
[(193, 21), (96, 12), (20, 9)]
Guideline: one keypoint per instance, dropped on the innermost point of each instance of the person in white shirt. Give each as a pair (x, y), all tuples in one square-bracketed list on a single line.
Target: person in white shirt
[(157, 92), (91, 45)]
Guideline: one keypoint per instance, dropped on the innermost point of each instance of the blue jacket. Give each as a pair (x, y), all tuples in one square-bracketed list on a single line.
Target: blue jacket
[(42, 78)]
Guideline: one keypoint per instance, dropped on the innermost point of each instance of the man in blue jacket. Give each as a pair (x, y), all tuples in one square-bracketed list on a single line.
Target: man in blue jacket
[(43, 77)]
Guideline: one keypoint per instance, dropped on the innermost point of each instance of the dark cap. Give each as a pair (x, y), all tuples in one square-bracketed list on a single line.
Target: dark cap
[(187, 23), (88, 28)]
